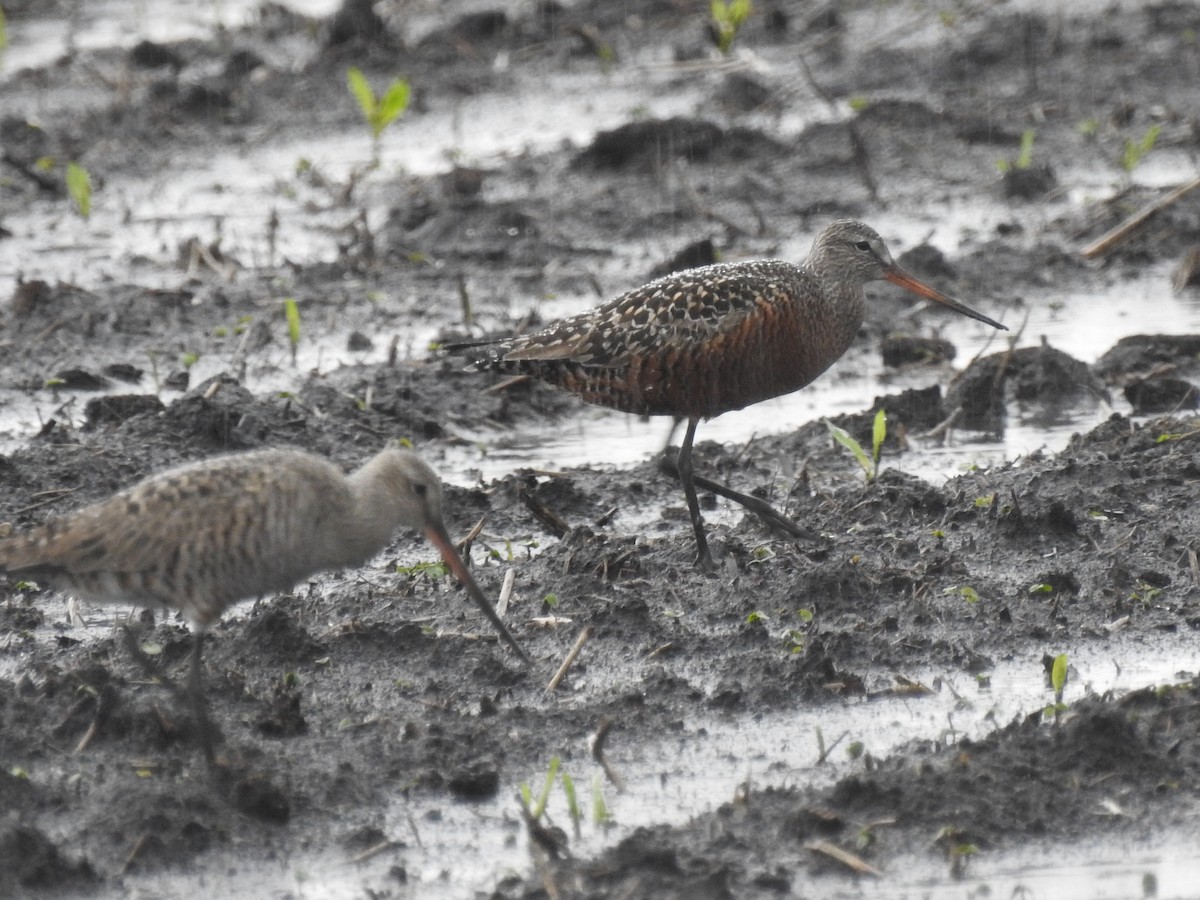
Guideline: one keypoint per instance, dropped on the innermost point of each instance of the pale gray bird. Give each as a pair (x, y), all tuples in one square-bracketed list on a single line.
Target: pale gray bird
[(202, 536)]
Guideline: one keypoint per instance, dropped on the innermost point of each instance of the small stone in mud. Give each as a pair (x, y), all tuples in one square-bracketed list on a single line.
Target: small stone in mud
[(696, 254), (1161, 394), (29, 295), (32, 861), (477, 780), (358, 342), (152, 55), (1029, 183), (78, 380), (126, 372), (255, 796), (117, 408), (177, 381), (906, 350)]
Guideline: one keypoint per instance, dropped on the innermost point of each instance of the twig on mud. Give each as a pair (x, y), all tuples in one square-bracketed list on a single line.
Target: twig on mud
[(373, 851), (542, 512), (138, 846), (412, 824), (825, 751), (569, 660), (51, 497), (506, 384), (850, 860), (861, 158), (1110, 239), (506, 592), (464, 546), (942, 429), (602, 732)]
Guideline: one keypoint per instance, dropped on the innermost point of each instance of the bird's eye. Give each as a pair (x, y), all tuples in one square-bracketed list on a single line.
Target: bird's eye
[(863, 245), (421, 490)]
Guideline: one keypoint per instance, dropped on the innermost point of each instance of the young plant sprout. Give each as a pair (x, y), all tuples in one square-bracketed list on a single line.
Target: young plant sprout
[(378, 111), (728, 16), (79, 186), (1133, 152), (292, 313), (869, 463)]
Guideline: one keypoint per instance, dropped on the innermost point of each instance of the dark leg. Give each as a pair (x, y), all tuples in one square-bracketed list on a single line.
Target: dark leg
[(683, 470), (199, 706), (761, 508)]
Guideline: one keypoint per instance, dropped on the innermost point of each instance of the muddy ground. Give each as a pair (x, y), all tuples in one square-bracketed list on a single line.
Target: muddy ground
[(364, 690)]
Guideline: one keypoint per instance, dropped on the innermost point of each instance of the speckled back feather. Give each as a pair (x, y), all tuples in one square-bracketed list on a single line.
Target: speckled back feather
[(705, 341)]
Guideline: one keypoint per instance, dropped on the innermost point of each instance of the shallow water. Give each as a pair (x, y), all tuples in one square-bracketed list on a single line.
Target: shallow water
[(699, 768), (713, 758)]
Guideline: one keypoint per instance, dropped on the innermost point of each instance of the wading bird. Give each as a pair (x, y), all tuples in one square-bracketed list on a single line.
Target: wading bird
[(202, 536), (705, 341)]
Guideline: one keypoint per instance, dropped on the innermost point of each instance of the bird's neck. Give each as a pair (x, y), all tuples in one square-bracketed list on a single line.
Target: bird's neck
[(370, 520), (840, 303)]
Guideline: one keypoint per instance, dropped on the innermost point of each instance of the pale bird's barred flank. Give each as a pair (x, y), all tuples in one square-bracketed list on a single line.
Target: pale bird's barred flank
[(200, 537)]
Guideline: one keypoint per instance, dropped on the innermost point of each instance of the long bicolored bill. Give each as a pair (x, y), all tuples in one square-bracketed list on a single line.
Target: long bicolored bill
[(441, 540), (897, 275)]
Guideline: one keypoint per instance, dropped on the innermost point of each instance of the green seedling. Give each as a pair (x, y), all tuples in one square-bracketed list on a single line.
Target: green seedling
[(292, 313), (431, 570), (1058, 676), (568, 785), (3, 31), (1145, 594), (79, 186), (538, 808), (1024, 155), (965, 591), (878, 436), (189, 359), (600, 813), (868, 462), (755, 616), (1058, 681), (794, 640), (1135, 150), (378, 111), (728, 16), (1042, 588)]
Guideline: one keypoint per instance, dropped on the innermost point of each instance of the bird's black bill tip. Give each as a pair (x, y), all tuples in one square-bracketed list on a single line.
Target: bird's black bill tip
[(911, 283)]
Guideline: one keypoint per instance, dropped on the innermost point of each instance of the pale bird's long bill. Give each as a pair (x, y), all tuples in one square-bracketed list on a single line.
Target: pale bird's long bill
[(436, 535), (897, 275)]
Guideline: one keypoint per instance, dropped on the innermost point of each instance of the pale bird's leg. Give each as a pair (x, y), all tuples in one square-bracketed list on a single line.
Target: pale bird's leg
[(199, 704)]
